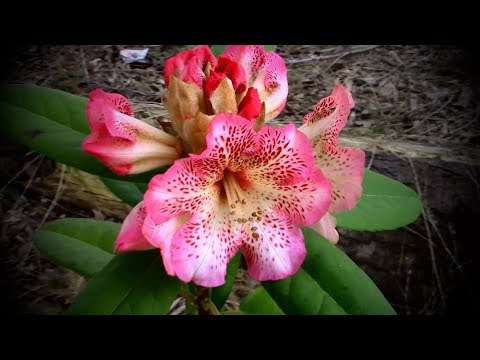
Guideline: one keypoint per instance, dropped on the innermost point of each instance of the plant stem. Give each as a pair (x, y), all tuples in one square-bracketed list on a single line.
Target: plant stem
[(205, 305), (190, 306)]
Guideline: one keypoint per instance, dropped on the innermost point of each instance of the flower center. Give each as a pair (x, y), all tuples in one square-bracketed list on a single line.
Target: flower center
[(241, 210)]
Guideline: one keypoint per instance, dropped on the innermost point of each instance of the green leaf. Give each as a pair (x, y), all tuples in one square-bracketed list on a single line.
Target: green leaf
[(129, 192), (219, 49), (260, 303), (302, 294), (54, 123), (270, 47), (385, 204), (82, 245), (59, 106), (133, 283), (219, 295), (329, 282)]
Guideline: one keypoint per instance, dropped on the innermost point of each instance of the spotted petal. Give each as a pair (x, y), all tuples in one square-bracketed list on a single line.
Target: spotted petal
[(276, 248), (265, 71), (329, 117)]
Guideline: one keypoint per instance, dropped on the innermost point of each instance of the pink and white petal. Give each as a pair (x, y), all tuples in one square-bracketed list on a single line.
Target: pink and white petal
[(127, 127), (203, 246), (251, 57), (234, 71), (228, 137), (275, 249), (304, 202), (274, 90), (250, 107), (344, 168), (161, 235), (126, 157), (182, 190), (131, 236), (329, 117), (326, 228), (281, 156), (98, 100)]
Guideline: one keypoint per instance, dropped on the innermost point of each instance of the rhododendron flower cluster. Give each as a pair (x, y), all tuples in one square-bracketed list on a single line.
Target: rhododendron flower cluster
[(235, 184)]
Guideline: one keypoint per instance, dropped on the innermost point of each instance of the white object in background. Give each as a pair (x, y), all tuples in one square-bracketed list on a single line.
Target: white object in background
[(130, 55)]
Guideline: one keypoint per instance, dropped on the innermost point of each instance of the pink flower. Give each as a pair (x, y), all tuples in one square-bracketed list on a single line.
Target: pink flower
[(124, 144), (249, 191), (241, 81), (343, 166)]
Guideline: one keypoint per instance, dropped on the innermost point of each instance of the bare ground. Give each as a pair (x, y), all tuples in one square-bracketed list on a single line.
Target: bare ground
[(419, 95)]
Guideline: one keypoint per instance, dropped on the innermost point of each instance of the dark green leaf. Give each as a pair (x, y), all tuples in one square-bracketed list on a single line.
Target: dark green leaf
[(53, 123), (218, 49), (82, 245), (270, 47), (301, 294), (344, 281), (132, 283), (260, 303), (129, 192), (385, 204), (328, 283), (220, 294)]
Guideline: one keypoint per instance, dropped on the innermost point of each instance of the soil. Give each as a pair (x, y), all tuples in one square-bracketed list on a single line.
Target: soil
[(425, 95)]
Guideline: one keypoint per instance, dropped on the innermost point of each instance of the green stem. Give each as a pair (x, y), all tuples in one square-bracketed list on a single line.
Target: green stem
[(204, 303), (190, 306)]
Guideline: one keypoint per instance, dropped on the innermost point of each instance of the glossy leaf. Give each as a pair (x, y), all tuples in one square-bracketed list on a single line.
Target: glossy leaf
[(133, 283), (82, 245), (329, 282), (259, 302), (129, 192), (54, 123), (385, 204)]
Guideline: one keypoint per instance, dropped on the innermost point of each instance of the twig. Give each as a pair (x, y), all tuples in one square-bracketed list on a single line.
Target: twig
[(429, 236), (372, 157), (323, 57), (58, 193), (20, 172), (84, 66)]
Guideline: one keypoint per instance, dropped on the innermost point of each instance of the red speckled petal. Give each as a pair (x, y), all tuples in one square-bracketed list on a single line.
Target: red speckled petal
[(234, 71), (99, 99), (182, 190), (275, 85), (329, 117), (265, 71), (326, 228), (204, 245), (344, 168), (250, 107), (305, 202), (275, 249), (228, 138), (281, 156), (250, 57), (131, 236), (161, 235)]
